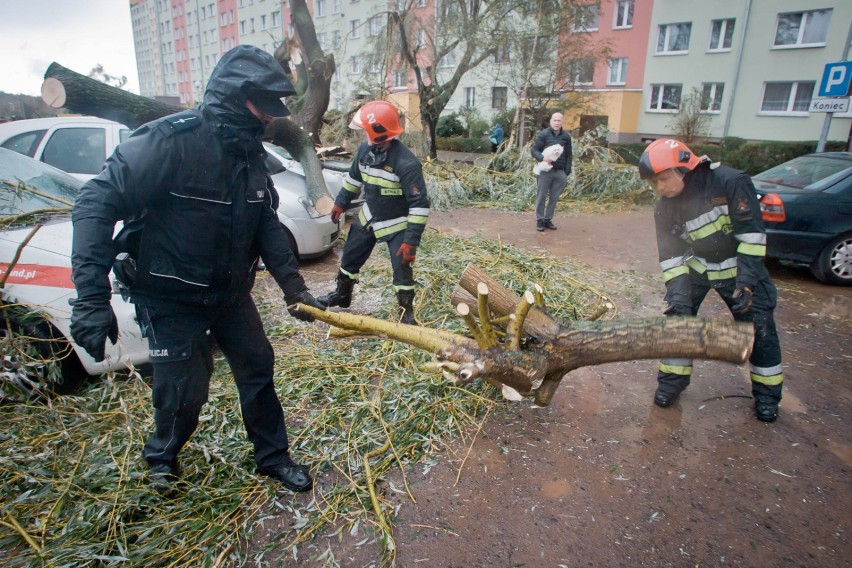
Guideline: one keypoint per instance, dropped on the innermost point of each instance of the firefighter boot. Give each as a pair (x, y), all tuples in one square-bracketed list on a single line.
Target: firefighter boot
[(342, 295), (405, 298), (766, 399), (669, 388)]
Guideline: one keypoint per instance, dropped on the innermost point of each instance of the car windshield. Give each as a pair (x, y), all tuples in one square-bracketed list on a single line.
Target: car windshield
[(807, 172), (31, 190)]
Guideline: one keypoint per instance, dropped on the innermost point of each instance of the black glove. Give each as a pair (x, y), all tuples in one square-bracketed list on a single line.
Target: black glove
[(742, 299), (302, 298), (92, 321), (678, 310)]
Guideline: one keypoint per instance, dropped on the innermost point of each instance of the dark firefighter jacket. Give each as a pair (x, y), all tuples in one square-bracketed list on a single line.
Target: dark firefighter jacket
[(546, 138), (714, 228), (394, 192), (198, 205)]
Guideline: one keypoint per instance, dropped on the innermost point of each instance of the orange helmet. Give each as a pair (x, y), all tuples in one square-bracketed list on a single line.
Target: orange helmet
[(665, 154), (380, 121)]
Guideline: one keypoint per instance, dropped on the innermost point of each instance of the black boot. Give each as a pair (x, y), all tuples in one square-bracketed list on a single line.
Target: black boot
[(342, 295), (669, 389), (405, 298), (766, 399)]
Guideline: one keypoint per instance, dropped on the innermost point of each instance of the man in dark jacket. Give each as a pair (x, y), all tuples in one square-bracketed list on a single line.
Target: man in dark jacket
[(549, 184), (395, 210), (199, 210), (710, 235)]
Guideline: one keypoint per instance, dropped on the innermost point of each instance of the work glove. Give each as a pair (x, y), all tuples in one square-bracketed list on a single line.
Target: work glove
[(407, 252), (302, 298), (743, 297), (92, 322), (675, 310), (336, 212)]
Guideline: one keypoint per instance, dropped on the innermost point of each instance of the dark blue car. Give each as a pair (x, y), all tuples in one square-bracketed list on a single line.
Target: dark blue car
[(807, 206)]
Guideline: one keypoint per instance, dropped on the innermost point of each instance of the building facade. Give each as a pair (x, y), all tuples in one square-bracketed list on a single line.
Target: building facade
[(754, 64)]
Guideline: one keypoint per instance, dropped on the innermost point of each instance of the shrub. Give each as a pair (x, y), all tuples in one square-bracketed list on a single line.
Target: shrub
[(449, 125)]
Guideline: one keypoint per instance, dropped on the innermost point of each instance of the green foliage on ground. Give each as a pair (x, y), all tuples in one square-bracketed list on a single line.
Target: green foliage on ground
[(74, 483), (601, 180)]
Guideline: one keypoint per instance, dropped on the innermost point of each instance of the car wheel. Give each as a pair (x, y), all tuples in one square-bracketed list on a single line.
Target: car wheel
[(834, 263), (37, 361)]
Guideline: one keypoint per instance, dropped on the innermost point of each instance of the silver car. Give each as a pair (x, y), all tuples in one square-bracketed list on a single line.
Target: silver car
[(80, 145)]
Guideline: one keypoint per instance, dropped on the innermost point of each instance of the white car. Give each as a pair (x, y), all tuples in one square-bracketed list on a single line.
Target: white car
[(35, 238), (80, 146)]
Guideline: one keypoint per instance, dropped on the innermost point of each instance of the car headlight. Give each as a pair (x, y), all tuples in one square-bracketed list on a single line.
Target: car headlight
[(309, 208)]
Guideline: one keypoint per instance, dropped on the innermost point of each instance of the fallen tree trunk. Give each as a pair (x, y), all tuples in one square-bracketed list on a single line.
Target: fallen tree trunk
[(523, 351)]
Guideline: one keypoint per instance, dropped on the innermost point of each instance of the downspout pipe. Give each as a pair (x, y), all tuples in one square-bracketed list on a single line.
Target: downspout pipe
[(740, 53)]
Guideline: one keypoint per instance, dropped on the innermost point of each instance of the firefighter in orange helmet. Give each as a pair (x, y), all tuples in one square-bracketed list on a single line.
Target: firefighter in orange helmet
[(710, 235), (395, 210)]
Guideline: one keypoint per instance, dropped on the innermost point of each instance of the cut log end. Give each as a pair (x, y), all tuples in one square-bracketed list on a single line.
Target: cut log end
[(53, 92)]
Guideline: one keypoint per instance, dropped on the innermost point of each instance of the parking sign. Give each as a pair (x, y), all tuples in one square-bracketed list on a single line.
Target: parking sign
[(836, 79)]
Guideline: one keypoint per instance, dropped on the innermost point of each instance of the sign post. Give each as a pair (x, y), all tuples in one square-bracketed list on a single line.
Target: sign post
[(835, 83)]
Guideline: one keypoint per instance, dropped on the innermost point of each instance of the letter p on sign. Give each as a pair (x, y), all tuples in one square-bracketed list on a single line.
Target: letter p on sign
[(836, 79)]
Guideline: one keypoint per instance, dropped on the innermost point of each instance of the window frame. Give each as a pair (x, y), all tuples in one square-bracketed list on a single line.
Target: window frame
[(667, 50), (802, 29), (657, 108), (715, 86), (791, 99), (469, 95), (726, 23), (591, 9), (628, 14), (623, 67), (495, 99)]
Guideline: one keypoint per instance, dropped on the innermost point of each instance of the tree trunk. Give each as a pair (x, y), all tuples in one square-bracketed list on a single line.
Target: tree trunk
[(63, 88), (535, 368)]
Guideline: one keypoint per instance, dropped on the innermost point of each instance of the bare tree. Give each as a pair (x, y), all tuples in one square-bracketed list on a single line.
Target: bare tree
[(440, 49), (99, 74), (691, 122)]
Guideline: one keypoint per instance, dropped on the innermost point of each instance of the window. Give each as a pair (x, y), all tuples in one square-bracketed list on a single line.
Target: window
[(721, 35), (319, 8), (665, 97), (375, 25), (276, 19), (355, 28), (421, 38), (501, 55), (449, 60), (617, 71), (802, 28), (78, 150), (355, 64), (674, 38), (585, 19), (470, 97), (499, 96), (711, 96), (25, 143), (623, 14), (581, 71), (335, 6), (400, 78), (787, 97)]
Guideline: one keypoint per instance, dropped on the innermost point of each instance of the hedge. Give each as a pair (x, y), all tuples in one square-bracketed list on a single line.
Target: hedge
[(460, 144), (751, 157)]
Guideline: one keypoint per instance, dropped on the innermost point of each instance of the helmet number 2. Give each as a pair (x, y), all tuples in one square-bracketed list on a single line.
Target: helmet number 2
[(371, 118)]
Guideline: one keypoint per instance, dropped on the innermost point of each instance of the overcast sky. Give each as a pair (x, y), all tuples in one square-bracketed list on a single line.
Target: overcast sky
[(78, 34)]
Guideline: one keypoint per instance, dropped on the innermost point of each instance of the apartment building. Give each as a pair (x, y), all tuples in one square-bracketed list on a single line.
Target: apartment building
[(755, 63)]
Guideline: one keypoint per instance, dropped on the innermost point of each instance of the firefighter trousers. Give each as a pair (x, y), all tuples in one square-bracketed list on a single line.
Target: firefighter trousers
[(358, 248), (765, 362)]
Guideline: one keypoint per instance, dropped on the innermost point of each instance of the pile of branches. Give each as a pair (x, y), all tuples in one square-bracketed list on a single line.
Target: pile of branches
[(361, 413), (601, 180)]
